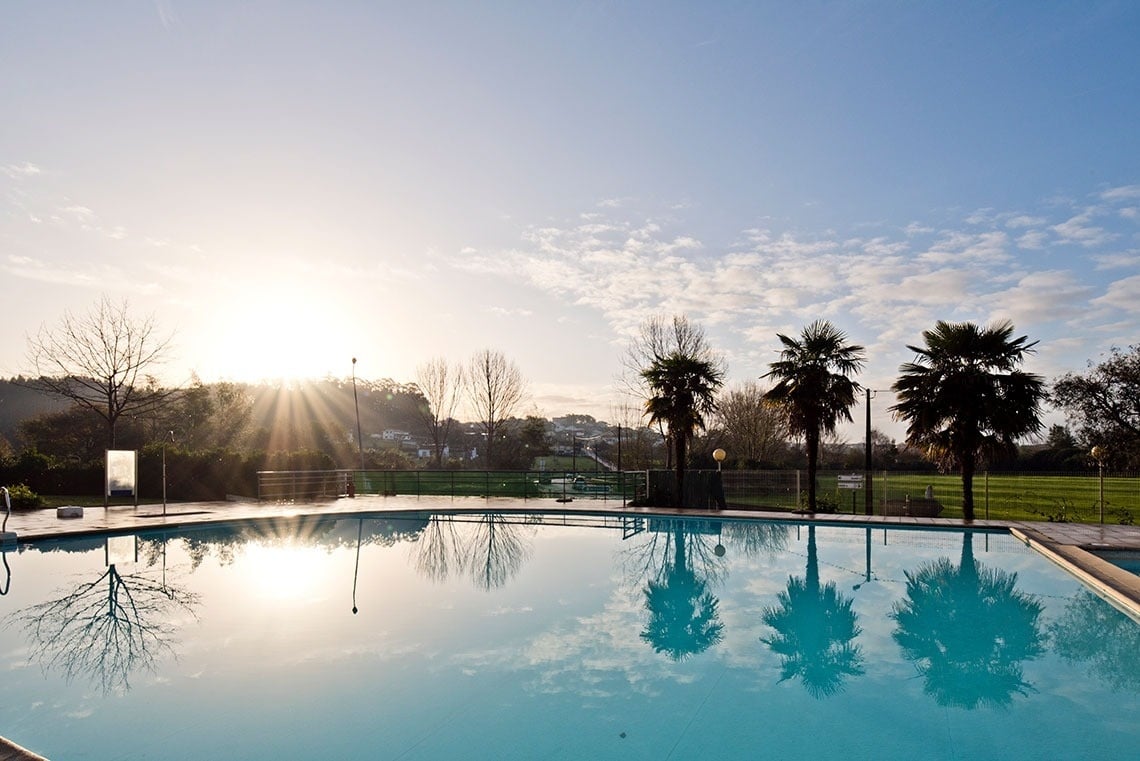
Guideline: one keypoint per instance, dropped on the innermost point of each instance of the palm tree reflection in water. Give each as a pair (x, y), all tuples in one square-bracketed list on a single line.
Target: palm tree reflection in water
[(683, 616), (967, 630), (814, 631)]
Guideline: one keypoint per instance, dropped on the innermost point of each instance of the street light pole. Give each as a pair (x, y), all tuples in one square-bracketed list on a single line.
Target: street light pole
[(1098, 454), (356, 403), (169, 437)]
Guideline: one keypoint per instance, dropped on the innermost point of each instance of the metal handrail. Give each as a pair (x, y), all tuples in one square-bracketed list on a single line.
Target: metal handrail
[(8, 508)]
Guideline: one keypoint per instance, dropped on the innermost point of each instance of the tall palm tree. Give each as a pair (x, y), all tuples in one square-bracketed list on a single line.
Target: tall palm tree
[(814, 387), (683, 391), (964, 398)]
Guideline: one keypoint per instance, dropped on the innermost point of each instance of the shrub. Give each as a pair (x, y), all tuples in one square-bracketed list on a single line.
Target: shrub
[(23, 498)]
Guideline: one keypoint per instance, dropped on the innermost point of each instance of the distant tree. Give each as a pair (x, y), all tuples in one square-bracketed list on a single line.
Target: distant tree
[(72, 433), (101, 361), (441, 384), (639, 445), (752, 432), (814, 388), (495, 389), (682, 393), (965, 400), (1104, 404)]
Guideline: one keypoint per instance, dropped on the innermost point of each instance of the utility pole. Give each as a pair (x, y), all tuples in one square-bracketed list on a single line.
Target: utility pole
[(868, 490)]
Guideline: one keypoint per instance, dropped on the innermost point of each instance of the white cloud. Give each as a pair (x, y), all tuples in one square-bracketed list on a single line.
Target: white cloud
[(1077, 229), (16, 171), (1123, 294), (1123, 192)]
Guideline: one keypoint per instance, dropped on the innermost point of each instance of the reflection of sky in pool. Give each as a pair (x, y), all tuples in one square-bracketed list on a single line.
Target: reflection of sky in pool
[(498, 638)]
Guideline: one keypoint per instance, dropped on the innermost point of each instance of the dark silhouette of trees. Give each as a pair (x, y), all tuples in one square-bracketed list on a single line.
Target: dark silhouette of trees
[(814, 387), (682, 392), (102, 362), (965, 400), (814, 630), (967, 629), (1104, 404)]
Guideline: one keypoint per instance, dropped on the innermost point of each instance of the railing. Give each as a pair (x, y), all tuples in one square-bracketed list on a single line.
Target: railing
[(293, 486), (1020, 496)]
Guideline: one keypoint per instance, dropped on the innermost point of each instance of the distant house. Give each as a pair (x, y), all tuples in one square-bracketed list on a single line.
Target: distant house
[(391, 434)]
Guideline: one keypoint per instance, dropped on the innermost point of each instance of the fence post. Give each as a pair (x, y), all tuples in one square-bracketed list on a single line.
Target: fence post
[(987, 481)]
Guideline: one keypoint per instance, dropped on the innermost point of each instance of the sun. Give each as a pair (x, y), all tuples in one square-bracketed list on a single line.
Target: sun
[(289, 335)]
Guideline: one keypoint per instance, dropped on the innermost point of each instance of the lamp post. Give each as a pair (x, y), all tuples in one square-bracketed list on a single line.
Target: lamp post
[(719, 455), (356, 403), (170, 438), (1099, 454)]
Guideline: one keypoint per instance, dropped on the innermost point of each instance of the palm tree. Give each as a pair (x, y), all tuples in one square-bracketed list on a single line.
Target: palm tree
[(683, 391), (964, 398), (813, 386)]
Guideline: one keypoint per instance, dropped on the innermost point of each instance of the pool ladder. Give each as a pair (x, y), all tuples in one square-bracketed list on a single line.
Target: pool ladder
[(7, 540)]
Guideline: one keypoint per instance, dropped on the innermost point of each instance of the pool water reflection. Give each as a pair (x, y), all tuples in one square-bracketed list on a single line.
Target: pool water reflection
[(526, 636)]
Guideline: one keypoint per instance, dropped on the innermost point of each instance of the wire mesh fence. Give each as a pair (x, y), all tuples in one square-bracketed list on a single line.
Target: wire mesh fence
[(1076, 497)]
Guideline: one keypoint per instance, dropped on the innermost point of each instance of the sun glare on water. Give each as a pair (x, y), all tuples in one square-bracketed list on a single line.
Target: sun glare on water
[(284, 572)]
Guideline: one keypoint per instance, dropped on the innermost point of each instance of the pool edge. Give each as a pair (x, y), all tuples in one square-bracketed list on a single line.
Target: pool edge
[(1114, 584), (10, 751)]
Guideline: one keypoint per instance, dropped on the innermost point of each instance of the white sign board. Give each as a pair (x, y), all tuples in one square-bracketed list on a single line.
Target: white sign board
[(854, 481), (122, 473)]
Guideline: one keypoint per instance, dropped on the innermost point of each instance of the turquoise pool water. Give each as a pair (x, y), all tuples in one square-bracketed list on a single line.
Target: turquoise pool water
[(542, 636)]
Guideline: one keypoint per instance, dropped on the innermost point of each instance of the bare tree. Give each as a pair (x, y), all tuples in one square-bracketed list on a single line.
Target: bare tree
[(440, 383), (495, 389), (753, 432), (101, 362)]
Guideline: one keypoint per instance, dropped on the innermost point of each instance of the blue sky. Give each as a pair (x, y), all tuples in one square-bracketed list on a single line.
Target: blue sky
[(286, 185)]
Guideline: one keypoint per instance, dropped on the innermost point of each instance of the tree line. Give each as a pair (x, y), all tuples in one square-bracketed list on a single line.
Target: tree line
[(965, 399)]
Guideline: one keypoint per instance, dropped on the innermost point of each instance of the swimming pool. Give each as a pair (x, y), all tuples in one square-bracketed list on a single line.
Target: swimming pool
[(498, 636)]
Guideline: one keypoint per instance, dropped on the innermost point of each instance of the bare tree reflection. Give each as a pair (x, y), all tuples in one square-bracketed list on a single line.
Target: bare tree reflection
[(967, 629), (680, 560), (814, 631), (436, 553), (755, 539), (494, 551), (1092, 631), (106, 629)]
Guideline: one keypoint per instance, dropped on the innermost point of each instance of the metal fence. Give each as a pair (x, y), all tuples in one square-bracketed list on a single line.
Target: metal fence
[(1113, 498), (293, 486)]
